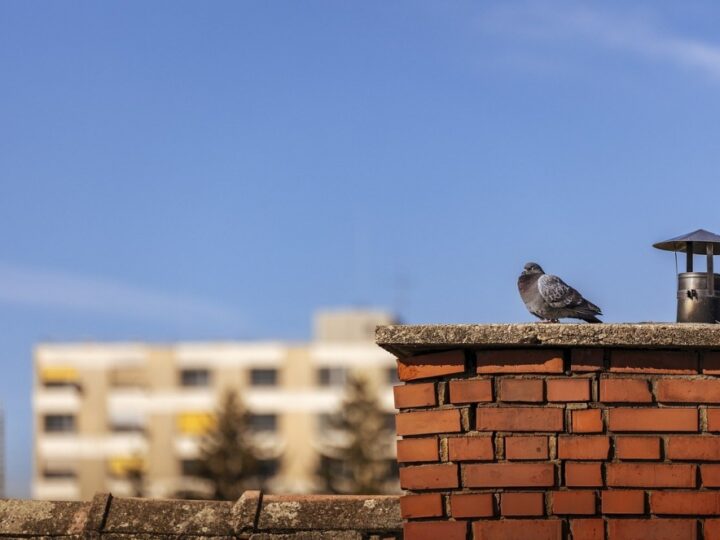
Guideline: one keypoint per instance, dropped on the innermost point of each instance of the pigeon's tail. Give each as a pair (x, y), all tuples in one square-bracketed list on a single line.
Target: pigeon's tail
[(588, 312)]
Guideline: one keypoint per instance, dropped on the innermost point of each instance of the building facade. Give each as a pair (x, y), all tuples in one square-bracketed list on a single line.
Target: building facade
[(104, 410)]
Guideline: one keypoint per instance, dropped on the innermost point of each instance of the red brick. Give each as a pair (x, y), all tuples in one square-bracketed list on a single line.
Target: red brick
[(423, 505), (471, 449), (587, 360), (587, 421), (568, 389), (429, 476), (650, 475), (424, 422), (628, 447), (432, 530), (583, 447), (623, 501), (573, 503), (519, 419), (482, 475), (522, 504), (528, 390), (698, 448), (526, 448), (710, 475), (711, 364), (520, 361), (685, 503), (415, 395), (587, 529), (471, 391), (625, 391), (713, 419), (647, 361), (583, 474), (712, 529), (517, 529), (688, 391), (652, 529), (625, 419), (470, 505), (414, 450), (431, 365)]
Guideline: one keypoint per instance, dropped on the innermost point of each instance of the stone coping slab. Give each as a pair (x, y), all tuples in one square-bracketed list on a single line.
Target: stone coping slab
[(253, 516), (408, 340)]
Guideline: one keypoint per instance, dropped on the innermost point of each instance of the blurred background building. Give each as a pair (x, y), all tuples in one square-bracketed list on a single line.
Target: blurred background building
[(103, 410)]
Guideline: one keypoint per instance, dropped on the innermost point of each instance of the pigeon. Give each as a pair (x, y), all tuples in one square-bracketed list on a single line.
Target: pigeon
[(549, 298)]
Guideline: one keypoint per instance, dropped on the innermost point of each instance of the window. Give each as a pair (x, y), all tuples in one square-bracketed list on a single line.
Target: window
[(194, 377), (263, 377), (59, 474), (191, 467), (394, 468), (263, 422), (59, 423), (335, 468), (267, 468), (126, 427), (124, 420), (332, 376), (60, 384), (392, 375)]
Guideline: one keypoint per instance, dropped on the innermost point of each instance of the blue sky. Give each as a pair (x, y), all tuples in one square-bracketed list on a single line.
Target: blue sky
[(191, 170)]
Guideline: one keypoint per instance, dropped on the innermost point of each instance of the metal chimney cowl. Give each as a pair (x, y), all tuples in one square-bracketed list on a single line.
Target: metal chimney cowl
[(698, 292)]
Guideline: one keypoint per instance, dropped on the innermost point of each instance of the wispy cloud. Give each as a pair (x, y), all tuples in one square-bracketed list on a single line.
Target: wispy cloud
[(640, 34), (93, 295)]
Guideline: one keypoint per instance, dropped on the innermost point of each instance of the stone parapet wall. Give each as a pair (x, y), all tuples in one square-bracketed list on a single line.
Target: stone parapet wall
[(558, 432), (253, 517)]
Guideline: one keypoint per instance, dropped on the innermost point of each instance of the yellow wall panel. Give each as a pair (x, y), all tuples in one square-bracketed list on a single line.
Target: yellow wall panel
[(194, 423), (51, 374)]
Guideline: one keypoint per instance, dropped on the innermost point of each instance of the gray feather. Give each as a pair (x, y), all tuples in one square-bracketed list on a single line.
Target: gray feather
[(548, 297), (557, 293)]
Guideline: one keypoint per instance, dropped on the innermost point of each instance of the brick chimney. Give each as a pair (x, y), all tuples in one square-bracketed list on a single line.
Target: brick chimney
[(558, 431)]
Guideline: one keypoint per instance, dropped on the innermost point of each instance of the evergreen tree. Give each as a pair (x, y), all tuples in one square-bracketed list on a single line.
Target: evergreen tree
[(135, 474), (357, 459), (228, 457)]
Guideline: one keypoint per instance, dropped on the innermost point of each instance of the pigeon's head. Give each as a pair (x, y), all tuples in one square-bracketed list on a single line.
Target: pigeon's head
[(532, 268)]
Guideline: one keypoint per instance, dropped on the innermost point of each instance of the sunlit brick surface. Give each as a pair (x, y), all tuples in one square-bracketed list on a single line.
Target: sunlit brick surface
[(561, 444)]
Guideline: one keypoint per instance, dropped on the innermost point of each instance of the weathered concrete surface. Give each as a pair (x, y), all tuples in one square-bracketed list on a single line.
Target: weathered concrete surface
[(328, 512), (253, 516), (246, 511), (207, 518), (42, 517), (313, 535), (407, 340)]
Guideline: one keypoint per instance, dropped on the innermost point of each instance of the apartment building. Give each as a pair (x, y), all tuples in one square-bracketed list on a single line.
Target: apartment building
[(103, 410)]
